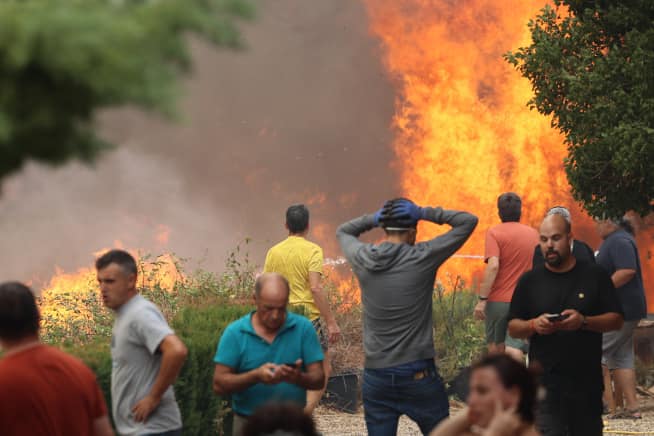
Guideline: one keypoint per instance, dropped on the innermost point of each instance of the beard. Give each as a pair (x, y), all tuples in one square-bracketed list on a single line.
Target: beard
[(555, 260)]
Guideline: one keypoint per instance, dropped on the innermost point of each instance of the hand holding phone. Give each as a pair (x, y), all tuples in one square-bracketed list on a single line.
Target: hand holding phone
[(556, 317)]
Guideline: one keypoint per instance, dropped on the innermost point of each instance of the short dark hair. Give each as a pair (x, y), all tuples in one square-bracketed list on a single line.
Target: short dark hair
[(280, 419), (509, 207), (19, 315), (513, 373), (263, 278), (119, 257), (297, 218)]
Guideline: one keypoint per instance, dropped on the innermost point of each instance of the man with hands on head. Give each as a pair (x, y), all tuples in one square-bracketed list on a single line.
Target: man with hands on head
[(564, 307), (396, 278), (267, 355)]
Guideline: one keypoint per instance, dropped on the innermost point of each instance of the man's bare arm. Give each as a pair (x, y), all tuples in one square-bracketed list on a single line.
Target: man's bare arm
[(622, 276), (605, 322), (320, 298), (490, 273), (173, 354), (226, 381), (311, 379)]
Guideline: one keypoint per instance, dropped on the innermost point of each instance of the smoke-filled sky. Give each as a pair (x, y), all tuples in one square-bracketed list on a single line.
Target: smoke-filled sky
[(301, 115)]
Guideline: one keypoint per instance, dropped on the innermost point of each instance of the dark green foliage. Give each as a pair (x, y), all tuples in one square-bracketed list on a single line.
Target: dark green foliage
[(200, 328), (591, 69), (62, 60), (458, 338), (97, 356)]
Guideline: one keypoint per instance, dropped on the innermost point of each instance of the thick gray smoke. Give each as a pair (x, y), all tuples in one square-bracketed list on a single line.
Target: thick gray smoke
[(301, 115)]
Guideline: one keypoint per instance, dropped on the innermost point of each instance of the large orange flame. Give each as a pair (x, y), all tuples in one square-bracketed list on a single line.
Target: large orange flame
[(69, 298), (464, 133)]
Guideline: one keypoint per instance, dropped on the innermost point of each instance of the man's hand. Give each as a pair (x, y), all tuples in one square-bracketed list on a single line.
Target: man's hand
[(269, 374), (290, 374), (334, 332), (480, 311), (572, 322), (142, 410), (385, 210), (543, 326), (405, 210)]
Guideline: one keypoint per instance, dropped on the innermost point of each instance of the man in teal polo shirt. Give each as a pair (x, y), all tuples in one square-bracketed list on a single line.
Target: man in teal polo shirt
[(268, 355)]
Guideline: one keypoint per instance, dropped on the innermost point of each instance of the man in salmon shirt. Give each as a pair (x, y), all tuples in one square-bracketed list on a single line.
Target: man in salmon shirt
[(43, 391), (509, 253)]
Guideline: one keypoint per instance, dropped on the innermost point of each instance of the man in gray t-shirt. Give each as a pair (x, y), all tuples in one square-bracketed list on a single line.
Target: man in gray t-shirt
[(397, 284), (146, 355)]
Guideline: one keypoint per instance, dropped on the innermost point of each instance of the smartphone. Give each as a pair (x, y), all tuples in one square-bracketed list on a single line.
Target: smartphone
[(290, 364), (554, 317)]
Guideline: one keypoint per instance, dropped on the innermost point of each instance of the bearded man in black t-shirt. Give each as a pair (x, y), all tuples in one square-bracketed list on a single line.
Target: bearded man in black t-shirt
[(564, 307)]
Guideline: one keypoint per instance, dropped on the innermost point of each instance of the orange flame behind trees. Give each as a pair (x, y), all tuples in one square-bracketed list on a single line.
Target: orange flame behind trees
[(464, 133)]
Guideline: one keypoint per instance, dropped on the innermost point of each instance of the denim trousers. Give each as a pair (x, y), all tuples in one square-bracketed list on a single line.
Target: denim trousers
[(387, 396)]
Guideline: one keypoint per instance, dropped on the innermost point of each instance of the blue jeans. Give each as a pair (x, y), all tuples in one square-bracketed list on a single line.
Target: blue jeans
[(391, 392)]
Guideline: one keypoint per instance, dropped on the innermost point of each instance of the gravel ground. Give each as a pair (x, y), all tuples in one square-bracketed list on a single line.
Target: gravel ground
[(332, 422)]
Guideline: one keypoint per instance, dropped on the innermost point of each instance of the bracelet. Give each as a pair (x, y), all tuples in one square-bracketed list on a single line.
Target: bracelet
[(532, 326), (483, 298)]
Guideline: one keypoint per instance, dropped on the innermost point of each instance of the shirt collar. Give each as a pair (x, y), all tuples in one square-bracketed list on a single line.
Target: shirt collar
[(246, 326)]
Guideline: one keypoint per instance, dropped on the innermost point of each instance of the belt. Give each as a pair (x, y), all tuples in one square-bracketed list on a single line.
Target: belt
[(418, 375)]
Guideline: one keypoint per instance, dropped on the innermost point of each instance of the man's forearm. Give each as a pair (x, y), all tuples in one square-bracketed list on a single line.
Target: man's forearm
[(320, 298), (490, 273), (312, 380), (622, 276), (455, 218), (520, 328), (229, 383), (605, 322), (356, 226), (171, 365)]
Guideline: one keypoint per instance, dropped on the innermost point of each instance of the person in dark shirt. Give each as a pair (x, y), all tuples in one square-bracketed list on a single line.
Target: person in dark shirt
[(618, 254), (564, 307), (580, 250)]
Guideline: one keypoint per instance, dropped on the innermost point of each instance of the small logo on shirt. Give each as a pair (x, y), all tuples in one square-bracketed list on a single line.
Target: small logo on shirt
[(581, 295)]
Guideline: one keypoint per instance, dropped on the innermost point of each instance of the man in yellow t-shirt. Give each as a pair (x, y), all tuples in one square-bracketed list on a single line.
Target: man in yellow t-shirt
[(300, 261)]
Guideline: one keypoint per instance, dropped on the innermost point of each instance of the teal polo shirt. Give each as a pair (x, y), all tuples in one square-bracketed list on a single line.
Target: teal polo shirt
[(243, 350)]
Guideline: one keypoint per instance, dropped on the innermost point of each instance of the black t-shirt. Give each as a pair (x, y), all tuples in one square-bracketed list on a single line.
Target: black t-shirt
[(580, 250), (586, 288), (619, 251)]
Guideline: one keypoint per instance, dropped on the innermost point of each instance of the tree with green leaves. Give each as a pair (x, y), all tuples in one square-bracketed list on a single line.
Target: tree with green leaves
[(591, 66), (63, 60)]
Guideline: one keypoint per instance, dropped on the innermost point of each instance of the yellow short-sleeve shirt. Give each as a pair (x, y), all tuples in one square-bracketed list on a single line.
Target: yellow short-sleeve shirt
[(294, 258)]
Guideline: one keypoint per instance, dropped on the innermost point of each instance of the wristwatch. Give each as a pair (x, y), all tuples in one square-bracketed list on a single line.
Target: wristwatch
[(584, 323)]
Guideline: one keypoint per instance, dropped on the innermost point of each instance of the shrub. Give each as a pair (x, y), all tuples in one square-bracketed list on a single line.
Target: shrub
[(200, 329), (458, 338)]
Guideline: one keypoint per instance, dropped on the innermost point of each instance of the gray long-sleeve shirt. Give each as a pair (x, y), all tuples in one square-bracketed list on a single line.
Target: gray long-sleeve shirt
[(397, 284)]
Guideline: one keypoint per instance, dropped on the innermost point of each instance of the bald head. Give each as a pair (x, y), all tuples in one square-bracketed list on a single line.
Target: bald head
[(274, 285), (271, 298)]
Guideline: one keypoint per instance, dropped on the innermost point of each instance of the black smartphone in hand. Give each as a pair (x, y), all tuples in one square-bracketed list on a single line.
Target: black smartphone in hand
[(555, 317)]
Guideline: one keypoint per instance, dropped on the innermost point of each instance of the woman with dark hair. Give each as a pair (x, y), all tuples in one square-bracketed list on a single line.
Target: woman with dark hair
[(502, 401)]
